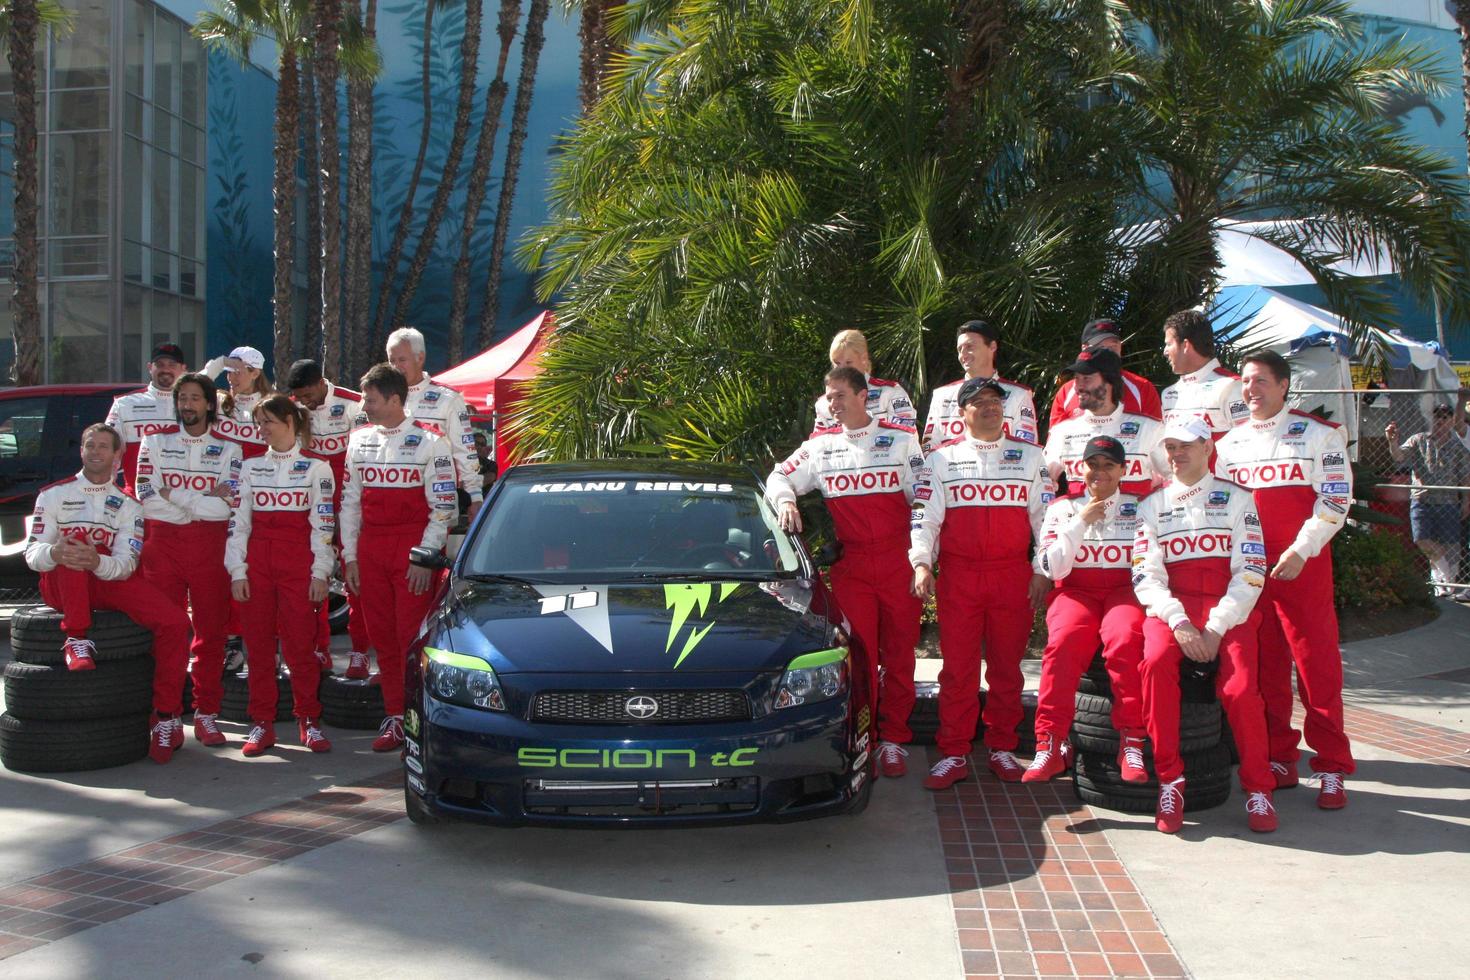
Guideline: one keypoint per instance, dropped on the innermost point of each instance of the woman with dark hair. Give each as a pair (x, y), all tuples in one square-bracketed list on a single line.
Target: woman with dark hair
[(279, 558)]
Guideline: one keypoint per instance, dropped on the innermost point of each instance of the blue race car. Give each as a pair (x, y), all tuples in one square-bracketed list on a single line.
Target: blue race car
[(627, 643)]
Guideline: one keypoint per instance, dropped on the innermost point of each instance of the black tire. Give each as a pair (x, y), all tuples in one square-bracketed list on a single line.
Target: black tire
[(354, 705), (1093, 731), (37, 692), (1195, 687), (108, 650), (36, 631), (1227, 739), (235, 704), (924, 720), (1197, 683), (72, 746), (1207, 782)]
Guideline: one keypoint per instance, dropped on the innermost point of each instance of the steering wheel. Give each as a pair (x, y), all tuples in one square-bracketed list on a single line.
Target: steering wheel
[(716, 555)]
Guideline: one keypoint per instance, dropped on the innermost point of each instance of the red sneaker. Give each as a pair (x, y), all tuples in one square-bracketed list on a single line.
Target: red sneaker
[(1285, 774), (79, 653), (262, 736), (1260, 812), (890, 759), (946, 772), (311, 735), (161, 738), (1053, 756), (206, 732), (357, 666), (1005, 766), (1130, 761), (390, 734), (1333, 794), (1169, 816)]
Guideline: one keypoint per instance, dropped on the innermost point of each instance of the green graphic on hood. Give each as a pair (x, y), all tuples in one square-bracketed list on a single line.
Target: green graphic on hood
[(684, 599)]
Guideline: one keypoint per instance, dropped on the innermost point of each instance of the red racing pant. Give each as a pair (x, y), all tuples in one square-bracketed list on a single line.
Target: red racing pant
[(186, 562), (1076, 619), (1235, 680), (984, 614), (280, 607), (393, 613), (872, 586), (1299, 626), (75, 594)]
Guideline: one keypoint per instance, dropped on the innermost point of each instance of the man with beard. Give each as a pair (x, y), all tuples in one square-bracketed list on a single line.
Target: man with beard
[(1099, 385), (1138, 394), (142, 413)]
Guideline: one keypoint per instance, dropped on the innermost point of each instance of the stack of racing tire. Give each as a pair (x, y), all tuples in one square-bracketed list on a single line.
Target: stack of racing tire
[(356, 705), (1207, 757), (58, 720)]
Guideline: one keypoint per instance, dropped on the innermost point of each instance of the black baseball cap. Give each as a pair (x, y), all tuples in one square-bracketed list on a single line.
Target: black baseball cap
[(172, 352), (1097, 330), (1105, 446), (1097, 360), (980, 327), (303, 373), (971, 389)]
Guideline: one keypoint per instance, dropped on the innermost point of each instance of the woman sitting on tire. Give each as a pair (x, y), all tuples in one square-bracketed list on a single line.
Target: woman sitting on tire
[(279, 557)]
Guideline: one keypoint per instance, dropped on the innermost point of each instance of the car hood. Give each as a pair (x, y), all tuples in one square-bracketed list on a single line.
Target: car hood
[(600, 628)]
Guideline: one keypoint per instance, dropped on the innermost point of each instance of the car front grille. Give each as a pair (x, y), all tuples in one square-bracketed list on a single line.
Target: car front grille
[(632, 707)]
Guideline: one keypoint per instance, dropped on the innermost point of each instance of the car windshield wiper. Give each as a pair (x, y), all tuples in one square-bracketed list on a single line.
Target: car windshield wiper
[(707, 575), (500, 577)]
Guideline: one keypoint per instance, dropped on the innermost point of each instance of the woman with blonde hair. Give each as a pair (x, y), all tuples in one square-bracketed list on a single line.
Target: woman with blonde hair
[(887, 401)]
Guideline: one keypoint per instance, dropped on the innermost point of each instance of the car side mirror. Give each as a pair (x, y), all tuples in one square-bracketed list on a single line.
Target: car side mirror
[(828, 554), (428, 558)]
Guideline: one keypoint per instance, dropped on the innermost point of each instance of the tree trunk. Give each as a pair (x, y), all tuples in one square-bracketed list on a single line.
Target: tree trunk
[(328, 21), (358, 276), (405, 217), (596, 51), (25, 305), (312, 322), (525, 87), (510, 16), (283, 187), (469, 52), (1462, 19)]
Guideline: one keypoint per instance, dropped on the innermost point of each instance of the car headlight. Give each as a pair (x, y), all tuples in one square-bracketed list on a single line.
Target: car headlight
[(463, 680), (813, 677)]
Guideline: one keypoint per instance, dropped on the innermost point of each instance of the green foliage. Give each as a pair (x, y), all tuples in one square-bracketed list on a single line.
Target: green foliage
[(1376, 569)]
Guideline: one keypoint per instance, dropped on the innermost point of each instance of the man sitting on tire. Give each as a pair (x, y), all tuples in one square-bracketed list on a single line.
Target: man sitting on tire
[(86, 535)]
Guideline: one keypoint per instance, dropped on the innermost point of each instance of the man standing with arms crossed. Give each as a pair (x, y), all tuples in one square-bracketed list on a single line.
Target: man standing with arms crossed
[(444, 408), (187, 479), (141, 413), (867, 470), (1205, 390), (1297, 467), (976, 347), (398, 495), (978, 512)]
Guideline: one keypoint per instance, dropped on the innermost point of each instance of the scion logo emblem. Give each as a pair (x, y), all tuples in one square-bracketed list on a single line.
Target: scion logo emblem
[(641, 707)]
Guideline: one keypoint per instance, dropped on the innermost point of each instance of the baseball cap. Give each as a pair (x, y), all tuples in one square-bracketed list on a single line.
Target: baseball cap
[(1097, 360), (1188, 430), (971, 389), (1105, 446), (172, 352), (980, 327), (1443, 409), (248, 356), (1097, 330)]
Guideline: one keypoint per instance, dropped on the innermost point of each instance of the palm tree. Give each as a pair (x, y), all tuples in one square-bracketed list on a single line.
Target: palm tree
[(1462, 21), (22, 21), (357, 273), (525, 86), (327, 43), (479, 178), (469, 58), (312, 321), (595, 34), (234, 26)]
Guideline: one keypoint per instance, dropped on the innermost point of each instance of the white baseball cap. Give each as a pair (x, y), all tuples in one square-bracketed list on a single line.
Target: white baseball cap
[(1188, 430), (248, 356)]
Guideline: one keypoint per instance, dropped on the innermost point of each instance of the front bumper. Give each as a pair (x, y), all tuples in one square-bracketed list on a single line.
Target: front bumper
[(496, 767)]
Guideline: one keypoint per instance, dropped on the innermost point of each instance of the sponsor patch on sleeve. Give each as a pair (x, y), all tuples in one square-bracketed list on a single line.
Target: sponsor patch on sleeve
[(443, 487), (1335, 488)]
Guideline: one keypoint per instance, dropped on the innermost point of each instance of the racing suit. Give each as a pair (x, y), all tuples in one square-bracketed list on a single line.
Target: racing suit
[(1091, 564), (1298, 468), (944, 422), (135, 415), (1211, 393), (331, 423), (1142, 439), (978, 512), (444, 409), (887, 401), (281, 539), (397, 494), (1139, 397), (112, 522), (1198, 558), (868, 478), (241, 426), (185, 556)]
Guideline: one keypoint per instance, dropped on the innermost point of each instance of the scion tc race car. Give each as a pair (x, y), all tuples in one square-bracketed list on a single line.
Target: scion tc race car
[(635, 644)]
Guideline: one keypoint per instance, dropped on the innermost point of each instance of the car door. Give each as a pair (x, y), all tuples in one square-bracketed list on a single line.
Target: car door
[(25, 467)]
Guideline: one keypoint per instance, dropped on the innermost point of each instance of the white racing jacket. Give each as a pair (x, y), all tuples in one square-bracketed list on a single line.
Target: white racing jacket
[(396, 479), (135, 415), (887, 401), (1067, 544), (1145, 465), (1211, 393), (97, 513), (444, 409), (189, 467), (944, 422), (284, 494)]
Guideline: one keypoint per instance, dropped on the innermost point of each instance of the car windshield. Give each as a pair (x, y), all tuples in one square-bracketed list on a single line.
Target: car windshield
[(630, 529)]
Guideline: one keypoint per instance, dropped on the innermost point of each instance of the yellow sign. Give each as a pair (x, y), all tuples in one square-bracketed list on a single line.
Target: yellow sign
[(1362, 375)]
